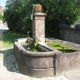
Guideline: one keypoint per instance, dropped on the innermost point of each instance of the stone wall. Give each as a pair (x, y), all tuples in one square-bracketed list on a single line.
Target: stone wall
[(72, 35)]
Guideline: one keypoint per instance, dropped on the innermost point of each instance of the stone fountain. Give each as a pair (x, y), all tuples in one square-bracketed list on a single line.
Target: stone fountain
[(48, 63), (35, 63)]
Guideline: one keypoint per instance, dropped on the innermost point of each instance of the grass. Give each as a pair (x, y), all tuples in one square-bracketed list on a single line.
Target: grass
[(62, 48), (9, 37)]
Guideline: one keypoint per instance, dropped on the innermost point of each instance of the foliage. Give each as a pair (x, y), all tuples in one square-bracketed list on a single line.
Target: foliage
[(18, 12), (1, 17), (60, 11)]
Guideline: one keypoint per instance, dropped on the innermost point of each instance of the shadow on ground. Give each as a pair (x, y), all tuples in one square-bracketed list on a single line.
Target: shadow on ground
[(9, 60)]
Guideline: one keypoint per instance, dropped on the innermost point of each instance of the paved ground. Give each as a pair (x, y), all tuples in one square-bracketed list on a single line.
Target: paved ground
[(73, 74), (9, 69)]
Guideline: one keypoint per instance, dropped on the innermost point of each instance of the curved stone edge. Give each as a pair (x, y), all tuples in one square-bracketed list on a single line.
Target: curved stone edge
[(37, 72), (67, 43), (49, 53)]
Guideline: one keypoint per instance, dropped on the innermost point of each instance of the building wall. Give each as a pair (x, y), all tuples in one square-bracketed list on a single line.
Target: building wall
[(1, 10)]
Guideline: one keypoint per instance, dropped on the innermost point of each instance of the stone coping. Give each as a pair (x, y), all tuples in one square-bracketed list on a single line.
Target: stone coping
[(66, 43), (50, 52), (27, 52)]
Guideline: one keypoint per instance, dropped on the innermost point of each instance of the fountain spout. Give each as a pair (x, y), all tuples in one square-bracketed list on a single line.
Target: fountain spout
[(28, 37)]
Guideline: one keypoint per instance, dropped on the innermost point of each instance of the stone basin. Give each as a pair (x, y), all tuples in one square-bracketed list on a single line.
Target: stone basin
[(49, 63), (35, 63)]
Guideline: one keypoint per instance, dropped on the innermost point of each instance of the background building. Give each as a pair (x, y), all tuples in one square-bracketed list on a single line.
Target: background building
[(1, 10)]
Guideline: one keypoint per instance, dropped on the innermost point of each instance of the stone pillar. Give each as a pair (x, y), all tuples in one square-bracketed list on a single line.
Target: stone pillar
[(38, 27)]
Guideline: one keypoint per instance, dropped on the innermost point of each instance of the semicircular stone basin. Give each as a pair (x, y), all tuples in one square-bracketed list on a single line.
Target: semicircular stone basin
[(35, 63)]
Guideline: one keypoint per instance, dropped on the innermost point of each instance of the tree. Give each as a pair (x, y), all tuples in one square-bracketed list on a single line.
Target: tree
[(18, 12), (59, 11), (17, 15)]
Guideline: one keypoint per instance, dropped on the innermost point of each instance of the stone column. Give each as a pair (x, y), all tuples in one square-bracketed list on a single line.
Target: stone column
[(38, 27)]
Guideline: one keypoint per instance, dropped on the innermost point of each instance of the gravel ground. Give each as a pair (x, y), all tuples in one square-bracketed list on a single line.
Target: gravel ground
[(9, 69)]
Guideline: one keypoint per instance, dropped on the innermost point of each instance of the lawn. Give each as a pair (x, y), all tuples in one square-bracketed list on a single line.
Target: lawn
[(9, 37)]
